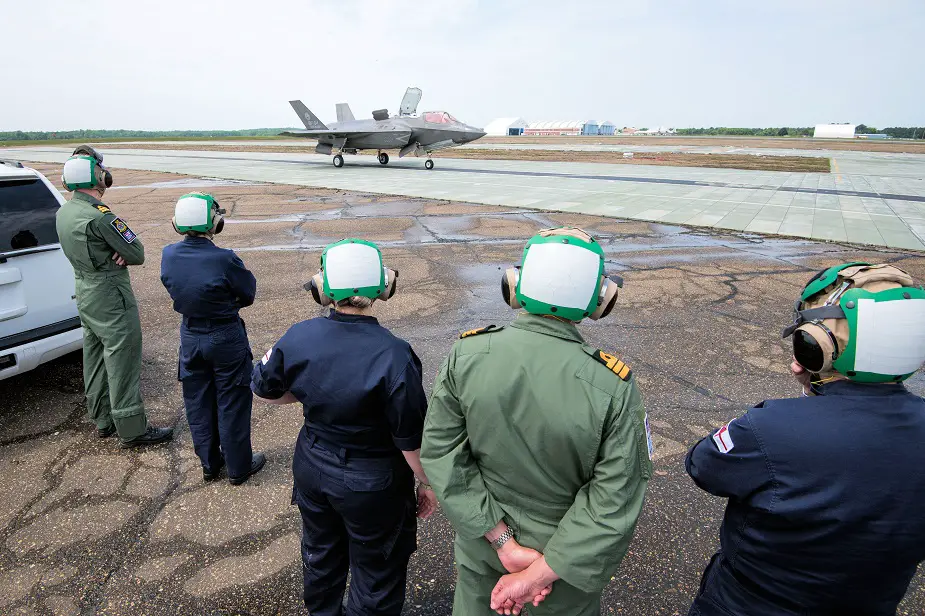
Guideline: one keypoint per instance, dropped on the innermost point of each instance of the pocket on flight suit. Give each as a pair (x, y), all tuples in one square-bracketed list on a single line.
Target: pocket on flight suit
[(368, 480), (643, 442), (380, 508), (247, 368), (128, 301), (231, 342)]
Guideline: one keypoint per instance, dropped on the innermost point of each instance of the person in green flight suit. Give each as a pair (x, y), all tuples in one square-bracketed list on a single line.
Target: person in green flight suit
[(100, 246), (536, 444)]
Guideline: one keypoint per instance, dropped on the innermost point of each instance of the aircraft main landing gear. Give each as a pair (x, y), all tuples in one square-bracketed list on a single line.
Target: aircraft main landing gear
[(428, 164), (383, 158), (338, 161)]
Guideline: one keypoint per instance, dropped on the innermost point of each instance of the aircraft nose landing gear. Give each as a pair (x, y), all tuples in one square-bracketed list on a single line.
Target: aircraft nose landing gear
[(338, 161), (383, 158), (428, 164)]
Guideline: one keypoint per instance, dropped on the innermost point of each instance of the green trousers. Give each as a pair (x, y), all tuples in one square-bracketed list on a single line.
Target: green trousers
[(478, 570), (112, 352)]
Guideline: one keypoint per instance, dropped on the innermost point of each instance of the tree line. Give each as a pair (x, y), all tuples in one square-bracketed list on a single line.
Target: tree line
[(73, 135), (897, 132)]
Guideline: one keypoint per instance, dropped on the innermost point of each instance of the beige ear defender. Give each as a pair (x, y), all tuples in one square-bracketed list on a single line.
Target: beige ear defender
[(509, 286), (315, 286), (607, 298), (391, 282)]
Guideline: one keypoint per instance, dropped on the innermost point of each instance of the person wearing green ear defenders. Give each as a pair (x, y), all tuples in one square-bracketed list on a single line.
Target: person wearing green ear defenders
[(101, 246), (357, 455), (209, 286), (537, 444), (826, 497)]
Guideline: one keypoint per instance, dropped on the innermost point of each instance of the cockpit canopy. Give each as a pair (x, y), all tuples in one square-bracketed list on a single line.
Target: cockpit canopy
[(439, 117)]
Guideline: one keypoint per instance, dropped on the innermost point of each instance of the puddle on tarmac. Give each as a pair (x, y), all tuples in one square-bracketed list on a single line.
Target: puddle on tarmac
[(294, 218), (191, 183)]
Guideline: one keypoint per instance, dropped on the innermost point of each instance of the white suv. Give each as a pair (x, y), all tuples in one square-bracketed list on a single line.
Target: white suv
[(38, 314)]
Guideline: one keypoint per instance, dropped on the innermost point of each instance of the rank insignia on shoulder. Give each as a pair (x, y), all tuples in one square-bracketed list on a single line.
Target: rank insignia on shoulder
[(102, 208), (614, 363), (127, 234), (480, 330)]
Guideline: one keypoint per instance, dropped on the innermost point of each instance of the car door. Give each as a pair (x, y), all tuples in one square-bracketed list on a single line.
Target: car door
[(36, 279)]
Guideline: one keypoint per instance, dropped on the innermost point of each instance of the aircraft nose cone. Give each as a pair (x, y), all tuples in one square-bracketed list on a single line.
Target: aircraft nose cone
[(473, 134)]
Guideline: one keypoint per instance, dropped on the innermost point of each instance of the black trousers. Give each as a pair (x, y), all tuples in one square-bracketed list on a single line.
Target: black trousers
[(357, 513), (215, 369)]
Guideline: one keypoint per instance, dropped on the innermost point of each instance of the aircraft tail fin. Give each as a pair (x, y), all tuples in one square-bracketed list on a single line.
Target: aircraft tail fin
[(308, 118), (343, 113)]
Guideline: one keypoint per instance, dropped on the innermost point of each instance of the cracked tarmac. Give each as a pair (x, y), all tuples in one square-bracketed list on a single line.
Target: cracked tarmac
[(87, 528)]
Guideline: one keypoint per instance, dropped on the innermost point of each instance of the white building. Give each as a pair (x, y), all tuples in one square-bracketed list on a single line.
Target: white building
[(834, 131), (504, 127), (546, 129)]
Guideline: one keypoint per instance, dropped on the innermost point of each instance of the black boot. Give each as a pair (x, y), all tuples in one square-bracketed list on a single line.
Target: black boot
[(106, 432), (257, 462), (212, 475), (152, 436)]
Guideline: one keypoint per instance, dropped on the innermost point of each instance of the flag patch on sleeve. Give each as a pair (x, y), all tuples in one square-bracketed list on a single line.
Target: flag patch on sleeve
[(127, 234), (649, 440), (723, 439), (266, 357)]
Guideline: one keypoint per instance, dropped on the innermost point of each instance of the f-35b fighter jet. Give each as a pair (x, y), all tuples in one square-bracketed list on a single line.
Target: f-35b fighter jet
[(407, 132)]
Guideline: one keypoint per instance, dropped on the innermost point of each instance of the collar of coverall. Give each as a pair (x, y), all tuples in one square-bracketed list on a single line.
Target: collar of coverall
[(343, 317), (85, 197), (844, 387), (197, 239), (550, 327)]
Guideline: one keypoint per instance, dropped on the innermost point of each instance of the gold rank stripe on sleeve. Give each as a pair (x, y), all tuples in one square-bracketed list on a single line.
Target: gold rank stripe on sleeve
[(480, 330), (103, 209), (614, 363)]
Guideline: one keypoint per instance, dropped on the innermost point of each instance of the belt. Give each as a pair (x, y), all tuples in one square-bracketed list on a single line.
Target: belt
[(197, 322), (343, 451)]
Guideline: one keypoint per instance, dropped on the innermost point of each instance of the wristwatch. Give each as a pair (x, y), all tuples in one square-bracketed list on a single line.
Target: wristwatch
[(503, 538)]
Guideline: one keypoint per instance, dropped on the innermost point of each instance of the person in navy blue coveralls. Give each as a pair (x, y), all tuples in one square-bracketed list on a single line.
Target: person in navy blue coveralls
[(209, 285), (356, 456), (826, 510)]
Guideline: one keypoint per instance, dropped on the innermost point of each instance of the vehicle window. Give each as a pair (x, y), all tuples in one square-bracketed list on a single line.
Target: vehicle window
[(27, 209)]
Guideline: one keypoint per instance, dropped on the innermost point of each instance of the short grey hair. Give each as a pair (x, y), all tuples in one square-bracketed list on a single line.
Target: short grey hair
[(357, 301)]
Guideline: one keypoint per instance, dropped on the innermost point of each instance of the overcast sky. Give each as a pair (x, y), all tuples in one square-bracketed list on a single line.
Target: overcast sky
[(229, 64)]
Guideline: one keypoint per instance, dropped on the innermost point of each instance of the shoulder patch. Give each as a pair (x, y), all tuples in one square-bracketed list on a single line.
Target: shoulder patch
[(613, 363), (723, 439), (103, 208), (480, 330), (127, 234)]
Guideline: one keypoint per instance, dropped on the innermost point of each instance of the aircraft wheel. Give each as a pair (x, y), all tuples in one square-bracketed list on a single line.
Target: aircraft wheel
[(338, 161), (383, 158), (428, 164)]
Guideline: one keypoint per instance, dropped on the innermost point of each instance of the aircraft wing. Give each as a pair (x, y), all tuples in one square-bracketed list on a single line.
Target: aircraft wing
[(323, 133)]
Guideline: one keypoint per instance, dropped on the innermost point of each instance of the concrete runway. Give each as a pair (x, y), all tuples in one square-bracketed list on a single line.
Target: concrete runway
[(869, 198), (86, 528)]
